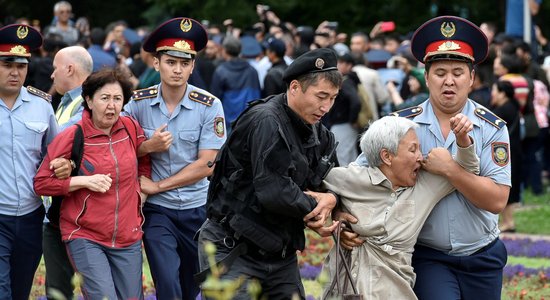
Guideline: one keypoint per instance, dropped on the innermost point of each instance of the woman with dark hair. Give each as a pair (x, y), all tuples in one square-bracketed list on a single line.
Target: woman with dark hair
[(505, 105), (417, 88), (100, 217)]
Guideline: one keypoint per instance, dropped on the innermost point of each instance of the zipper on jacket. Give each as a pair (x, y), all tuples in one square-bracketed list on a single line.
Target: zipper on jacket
[(116, 191), (79, 216)]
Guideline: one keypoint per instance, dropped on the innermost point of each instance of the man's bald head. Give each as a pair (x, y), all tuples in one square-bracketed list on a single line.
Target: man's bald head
[(72, 65)]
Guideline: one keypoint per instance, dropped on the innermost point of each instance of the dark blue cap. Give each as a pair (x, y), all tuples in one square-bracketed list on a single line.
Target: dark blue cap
[(17, 41), (449, 38), (250, 48), (318, 60), (179, 37), (275, 45)]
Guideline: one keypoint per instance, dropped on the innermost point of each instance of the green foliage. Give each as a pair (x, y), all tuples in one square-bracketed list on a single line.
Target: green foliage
[(529, 262), (533, 221), (530, 199), (534, 216)]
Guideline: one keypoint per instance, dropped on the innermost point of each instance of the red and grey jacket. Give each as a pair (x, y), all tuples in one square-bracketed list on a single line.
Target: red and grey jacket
[(113, 218)]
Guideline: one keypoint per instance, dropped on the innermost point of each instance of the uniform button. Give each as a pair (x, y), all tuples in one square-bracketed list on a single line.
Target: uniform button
[(393, 195), (356, 263), (354, 275)]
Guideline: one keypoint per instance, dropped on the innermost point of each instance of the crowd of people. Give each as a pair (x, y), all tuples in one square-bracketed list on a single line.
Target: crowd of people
[(193, 133)]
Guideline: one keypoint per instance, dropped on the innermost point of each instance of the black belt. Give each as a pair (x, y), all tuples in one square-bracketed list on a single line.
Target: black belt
[(253, 250), (486, 247)]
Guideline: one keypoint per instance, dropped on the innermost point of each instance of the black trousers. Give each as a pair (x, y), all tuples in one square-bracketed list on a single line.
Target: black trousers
[(59, 271), (278, 276)]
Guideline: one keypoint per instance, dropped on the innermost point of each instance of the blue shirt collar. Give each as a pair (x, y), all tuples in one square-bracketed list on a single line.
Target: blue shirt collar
[(75, 93), (428, 116), (185, 102)]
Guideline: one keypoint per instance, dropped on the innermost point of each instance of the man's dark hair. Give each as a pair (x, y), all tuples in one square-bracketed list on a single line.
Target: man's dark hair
[(513, 63), (309, 79), (97, 36)]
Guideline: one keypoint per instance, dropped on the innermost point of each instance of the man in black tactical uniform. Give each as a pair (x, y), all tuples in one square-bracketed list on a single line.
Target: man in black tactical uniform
[(264, 186)]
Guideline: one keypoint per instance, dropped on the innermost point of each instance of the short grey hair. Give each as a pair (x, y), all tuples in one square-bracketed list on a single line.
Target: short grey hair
[(385, 133), (60, 4)]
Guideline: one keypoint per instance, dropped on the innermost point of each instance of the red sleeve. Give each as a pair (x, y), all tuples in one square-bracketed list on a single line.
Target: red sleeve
[(45, 182)]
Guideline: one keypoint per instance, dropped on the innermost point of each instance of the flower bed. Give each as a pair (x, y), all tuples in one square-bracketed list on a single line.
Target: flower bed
[(520, 282)]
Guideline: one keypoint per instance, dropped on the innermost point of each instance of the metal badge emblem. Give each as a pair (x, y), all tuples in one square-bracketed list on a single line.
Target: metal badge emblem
[(448, 29), (186, 25)]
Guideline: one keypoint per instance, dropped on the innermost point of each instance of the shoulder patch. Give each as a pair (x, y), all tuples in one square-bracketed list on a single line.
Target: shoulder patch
[(500, 153), (490, 117), (201, 98), (408, 112), (39, 93), (149, 92)]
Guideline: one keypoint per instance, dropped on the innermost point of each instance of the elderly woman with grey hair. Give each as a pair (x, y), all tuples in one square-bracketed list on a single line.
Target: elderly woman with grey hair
[(391, 198)]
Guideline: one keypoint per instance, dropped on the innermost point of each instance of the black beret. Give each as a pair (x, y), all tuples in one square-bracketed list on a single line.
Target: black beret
[(318, 60), (17, 41), (180, 37), (449, 38)]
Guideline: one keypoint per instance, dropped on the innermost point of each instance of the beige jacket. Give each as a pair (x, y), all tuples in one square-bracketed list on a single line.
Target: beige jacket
[(389, 222)]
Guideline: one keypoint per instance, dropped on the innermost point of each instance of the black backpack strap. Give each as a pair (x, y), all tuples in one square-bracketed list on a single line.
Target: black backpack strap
[(78, 149)]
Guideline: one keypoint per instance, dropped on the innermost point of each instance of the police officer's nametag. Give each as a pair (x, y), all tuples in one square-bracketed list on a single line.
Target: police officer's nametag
[(490, 117), (147, 93), (408, 112), (219, 126), (201, 98), (500, 153), (39, 93)]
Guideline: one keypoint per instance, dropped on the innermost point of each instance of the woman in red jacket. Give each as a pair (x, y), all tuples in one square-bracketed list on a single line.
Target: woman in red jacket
[(100, 216)]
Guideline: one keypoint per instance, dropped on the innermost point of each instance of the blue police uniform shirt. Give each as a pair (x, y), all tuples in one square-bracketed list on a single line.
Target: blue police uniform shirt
[(26, 131), (192, 125), (65, 101), (455, 226)]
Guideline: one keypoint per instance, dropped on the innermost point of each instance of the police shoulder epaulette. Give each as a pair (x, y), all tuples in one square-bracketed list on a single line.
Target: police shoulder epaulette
[(149, 92), (408, 112), (490, 117), (202, 98), (39, 93)]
